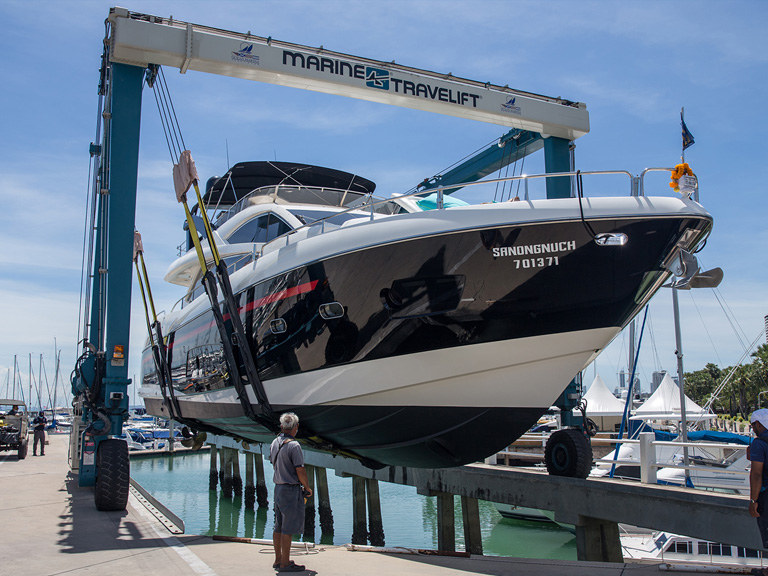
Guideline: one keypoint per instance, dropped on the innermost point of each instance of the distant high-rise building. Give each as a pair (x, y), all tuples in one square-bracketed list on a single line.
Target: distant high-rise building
[(656, 380)]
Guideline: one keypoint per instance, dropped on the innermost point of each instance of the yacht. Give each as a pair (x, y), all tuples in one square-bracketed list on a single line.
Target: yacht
[(655, 547), (400, 330)]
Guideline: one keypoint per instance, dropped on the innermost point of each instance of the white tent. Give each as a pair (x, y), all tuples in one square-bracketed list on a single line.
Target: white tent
[(600, 401), (665, 404)]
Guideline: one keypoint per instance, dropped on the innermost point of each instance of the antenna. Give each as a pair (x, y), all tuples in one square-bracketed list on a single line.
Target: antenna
[(226, 143)]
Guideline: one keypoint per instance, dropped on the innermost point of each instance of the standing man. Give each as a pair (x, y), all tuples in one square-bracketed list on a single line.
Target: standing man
[(758, 477), (291, 486), (39, 423)]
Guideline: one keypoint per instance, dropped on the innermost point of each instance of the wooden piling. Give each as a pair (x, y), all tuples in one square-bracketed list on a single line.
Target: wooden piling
[(323, 501), (250, 489), (446, 531), (375, 525), (309, 506), (213, 475), (262, 496), (470, 512), (222, 466), (359, 532), (226, 473), (237, 480)]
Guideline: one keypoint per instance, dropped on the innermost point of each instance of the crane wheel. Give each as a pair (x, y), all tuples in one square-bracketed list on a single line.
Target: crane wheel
[(113, 475), (568, 453)]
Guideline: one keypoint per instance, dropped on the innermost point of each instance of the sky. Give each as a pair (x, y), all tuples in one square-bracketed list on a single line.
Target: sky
[(633, 63)]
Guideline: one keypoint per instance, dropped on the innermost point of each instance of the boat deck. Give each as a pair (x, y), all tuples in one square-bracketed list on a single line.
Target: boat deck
[(50, 526)]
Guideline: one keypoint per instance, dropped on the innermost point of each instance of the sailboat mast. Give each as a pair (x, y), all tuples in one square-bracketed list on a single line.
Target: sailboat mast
[(30, 383), (40, 383), (14, 377), (55, 383)]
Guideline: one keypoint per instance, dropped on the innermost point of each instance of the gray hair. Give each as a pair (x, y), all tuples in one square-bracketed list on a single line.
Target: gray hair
[(288, 421)]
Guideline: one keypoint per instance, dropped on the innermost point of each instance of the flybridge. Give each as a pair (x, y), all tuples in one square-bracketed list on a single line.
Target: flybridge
[(140, 39)]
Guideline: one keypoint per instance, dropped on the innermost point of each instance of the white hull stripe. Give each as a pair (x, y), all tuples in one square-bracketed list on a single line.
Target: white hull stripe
[(522, 373)]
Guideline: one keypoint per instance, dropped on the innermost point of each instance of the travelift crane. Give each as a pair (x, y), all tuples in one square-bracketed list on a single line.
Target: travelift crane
[(136, 42)]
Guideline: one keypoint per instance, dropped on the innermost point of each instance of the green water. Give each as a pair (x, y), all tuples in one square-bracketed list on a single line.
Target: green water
[(410, 520)]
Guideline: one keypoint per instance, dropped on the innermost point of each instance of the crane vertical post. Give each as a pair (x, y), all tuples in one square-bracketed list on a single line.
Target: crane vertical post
[(557, 159), (111, 306), (126, 88)]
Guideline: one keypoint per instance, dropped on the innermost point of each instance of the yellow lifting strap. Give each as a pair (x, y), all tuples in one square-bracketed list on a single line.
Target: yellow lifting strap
[(138, 251), (184, 176)]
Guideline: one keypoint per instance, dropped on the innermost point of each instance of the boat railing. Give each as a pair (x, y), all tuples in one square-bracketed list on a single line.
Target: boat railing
[(366, 203), (283, 189), (649, 463)]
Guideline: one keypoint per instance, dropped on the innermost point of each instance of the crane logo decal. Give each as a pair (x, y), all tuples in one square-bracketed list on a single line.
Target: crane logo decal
[(509, 106), (244, 54), (376, 78)]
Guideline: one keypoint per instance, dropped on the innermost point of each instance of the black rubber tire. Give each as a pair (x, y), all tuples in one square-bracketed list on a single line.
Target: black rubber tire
[(23, 448), (568, 453), (113, 475)]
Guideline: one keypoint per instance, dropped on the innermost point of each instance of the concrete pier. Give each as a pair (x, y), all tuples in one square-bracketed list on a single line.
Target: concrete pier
[(51, 527)]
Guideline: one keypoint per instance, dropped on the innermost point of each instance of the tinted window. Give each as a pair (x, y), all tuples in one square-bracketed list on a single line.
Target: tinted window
[(309, 216), (276, 227), (262, 229)]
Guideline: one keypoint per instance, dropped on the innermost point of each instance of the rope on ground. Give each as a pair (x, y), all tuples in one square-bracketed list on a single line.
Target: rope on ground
[(294, 552)]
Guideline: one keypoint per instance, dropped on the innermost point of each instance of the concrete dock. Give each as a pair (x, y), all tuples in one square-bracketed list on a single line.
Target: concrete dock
[(50, 526)]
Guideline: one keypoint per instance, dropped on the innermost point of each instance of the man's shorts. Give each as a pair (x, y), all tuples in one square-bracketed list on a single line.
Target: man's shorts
[(289, 509), (762, 521)]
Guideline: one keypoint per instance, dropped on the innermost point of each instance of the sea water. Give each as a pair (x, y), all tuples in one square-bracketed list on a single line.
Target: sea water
[(409, 519)]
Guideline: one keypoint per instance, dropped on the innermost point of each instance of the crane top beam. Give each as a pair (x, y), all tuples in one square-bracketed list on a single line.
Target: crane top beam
[(141, 39)]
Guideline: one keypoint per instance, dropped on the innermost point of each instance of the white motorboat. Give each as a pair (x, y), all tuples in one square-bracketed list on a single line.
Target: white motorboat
[(398, 334), (671, 548)]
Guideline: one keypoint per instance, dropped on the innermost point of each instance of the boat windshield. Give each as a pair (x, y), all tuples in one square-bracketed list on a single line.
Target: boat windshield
[(308, 216), (262, 228), (306, 195)]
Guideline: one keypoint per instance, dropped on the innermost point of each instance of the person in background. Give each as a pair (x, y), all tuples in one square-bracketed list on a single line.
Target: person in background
[(291, 487), (757, 453), (13, 411), (39, 423)]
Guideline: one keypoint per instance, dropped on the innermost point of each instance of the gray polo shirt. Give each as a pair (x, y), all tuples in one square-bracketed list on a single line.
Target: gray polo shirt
[(287, 459)]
